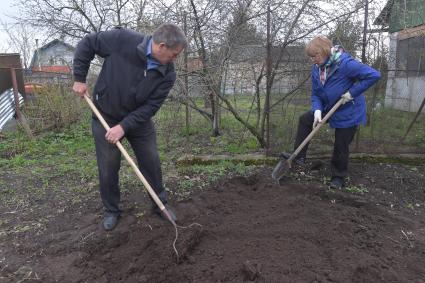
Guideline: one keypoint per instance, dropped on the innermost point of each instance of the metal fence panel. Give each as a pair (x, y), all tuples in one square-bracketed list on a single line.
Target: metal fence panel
[(7, 106)]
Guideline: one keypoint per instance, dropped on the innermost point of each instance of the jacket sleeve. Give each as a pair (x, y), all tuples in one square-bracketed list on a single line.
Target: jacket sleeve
[(100, 43), (316, 102), (150, 106), (363, 75)]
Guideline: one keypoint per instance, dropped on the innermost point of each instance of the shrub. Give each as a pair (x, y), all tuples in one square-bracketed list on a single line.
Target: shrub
[(53, 107)]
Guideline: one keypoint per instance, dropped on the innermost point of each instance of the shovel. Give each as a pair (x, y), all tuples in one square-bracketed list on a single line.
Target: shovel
[(284, 165), (139, 174), (191, 239)]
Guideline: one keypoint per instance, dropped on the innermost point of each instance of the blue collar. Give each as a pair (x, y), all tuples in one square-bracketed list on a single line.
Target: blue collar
[(152, 62)]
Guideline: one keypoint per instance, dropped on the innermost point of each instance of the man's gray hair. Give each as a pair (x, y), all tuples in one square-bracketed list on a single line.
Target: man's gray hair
[(170, 34)]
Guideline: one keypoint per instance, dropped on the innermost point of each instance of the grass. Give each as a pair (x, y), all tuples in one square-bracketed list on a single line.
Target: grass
[(198, 177), (67, 153), (58, 153), (385, 129), (357, 189)]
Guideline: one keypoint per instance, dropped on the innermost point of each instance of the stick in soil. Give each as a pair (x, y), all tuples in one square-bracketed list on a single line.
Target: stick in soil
[(188, 241)]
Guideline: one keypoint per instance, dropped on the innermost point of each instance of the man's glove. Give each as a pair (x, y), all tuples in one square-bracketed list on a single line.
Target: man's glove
[(317, 118), (346, 97)]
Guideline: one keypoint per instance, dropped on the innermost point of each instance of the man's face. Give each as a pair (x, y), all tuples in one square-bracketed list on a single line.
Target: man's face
[(166, 55)]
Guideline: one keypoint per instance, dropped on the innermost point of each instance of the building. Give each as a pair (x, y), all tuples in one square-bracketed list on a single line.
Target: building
[(247, 62), (51, 63), (405, 22)]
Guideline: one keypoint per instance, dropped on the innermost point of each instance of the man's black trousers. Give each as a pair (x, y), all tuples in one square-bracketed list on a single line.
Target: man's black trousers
[(143, 143), (343, 138)]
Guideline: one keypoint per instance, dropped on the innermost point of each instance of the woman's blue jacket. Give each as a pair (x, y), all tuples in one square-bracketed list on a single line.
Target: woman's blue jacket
[(345, 75)]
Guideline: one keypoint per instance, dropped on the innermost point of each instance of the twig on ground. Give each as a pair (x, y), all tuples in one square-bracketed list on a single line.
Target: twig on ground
[(407, 237), (87, 236), (10, 212), (397, 242), (28, 277), (177, 235)]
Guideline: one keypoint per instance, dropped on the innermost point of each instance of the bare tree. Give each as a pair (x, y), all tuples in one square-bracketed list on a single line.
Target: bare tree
[(75, 18), (221, 30), (20, 39), (218, 31)]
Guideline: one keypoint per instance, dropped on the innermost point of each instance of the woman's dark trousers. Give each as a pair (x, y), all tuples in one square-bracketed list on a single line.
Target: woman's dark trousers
[(343, 138)]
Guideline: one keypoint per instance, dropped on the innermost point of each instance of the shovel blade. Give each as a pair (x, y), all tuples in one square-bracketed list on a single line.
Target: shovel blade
[(166, 215), (280, 169)]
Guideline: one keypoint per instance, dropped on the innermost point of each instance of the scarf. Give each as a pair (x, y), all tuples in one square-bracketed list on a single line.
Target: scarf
[(336, 53)]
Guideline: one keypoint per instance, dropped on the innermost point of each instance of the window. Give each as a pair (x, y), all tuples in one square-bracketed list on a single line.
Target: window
[(411, 57)]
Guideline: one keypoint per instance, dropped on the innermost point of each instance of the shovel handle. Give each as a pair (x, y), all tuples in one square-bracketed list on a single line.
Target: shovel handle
[(139, 174), (314, 131)]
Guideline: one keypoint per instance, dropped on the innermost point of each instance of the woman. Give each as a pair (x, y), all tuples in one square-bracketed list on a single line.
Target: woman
[(335, 75)]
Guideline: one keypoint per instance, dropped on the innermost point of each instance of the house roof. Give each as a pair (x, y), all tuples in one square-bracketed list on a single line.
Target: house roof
[(402, 14), (47, 46), (54, 42), (384, 16)]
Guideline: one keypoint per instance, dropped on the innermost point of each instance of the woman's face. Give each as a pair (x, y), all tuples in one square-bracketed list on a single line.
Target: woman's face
[(317, 58)]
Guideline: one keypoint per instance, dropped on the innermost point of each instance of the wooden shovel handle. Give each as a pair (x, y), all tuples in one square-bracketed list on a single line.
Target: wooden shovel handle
[(314, 131), (130, 160)]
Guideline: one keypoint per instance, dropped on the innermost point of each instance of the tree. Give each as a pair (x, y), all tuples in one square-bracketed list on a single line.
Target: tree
[(215, 43), (75, 18), (20, 39), (218, 30), (348, 34)]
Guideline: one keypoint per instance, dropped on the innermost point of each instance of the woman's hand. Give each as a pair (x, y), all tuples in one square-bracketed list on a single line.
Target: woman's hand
[(317, 118), (346, 97)]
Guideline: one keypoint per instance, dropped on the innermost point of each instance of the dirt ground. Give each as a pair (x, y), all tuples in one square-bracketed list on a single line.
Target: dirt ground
[(253, 230)]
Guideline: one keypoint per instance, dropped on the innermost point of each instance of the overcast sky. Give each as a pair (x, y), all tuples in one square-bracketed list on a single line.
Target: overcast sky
[(7, 9)]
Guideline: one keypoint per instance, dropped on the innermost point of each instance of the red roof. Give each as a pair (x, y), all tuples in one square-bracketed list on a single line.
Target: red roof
[(52, 69)]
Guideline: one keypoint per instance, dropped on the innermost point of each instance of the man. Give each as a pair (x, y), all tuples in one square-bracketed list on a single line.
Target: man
[(136, 77)]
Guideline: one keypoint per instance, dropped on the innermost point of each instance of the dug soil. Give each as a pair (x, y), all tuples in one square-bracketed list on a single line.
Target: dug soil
[(253, 229)]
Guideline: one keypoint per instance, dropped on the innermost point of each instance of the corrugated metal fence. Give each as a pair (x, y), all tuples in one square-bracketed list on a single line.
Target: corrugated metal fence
[(7, 106)]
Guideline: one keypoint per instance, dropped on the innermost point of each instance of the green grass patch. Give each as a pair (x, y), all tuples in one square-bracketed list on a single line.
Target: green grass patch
[(357, 189)]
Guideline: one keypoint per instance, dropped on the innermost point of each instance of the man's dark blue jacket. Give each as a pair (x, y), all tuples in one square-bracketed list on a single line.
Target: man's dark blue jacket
[(126, 93)]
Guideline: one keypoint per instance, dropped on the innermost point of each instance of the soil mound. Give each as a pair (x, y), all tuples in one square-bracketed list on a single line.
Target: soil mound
[(253, 229)]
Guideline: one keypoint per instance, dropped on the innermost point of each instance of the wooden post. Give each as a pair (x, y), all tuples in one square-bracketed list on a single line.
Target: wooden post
[(186, 76), (19, 115), (268, 82), (364, 42), (414, 120)]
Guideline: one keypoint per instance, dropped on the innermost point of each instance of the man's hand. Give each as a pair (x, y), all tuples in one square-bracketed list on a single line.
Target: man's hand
[(346, 97), (80, 88), (317, 118), (114, 134)]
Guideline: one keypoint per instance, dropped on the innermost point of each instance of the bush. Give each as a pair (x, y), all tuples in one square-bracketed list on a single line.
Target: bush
[(53, 107)]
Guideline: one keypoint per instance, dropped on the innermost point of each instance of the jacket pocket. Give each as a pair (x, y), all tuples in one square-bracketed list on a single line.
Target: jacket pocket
[(99, 90), (145, 89)]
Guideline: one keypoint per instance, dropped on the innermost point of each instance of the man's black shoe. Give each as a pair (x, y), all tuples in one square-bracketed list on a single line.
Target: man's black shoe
[(158, 212), (110, 222), (337, 183)]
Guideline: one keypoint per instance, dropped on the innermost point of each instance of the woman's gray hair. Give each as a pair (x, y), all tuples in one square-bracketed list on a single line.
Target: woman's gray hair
[(170, 34)]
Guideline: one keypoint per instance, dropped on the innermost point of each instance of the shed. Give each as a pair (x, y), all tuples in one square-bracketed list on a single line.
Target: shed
[(51, 63), (56, 56), (405, 21)]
